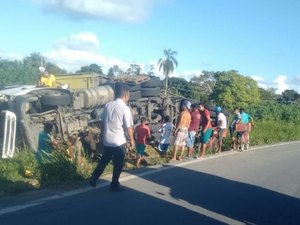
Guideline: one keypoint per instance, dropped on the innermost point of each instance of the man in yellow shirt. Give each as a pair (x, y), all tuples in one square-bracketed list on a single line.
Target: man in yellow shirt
[(47, 80)]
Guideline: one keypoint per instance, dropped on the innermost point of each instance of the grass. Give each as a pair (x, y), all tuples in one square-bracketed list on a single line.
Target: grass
[(23, 173)]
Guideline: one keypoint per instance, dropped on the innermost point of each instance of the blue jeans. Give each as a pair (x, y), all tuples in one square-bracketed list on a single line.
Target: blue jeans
[(117, 155)]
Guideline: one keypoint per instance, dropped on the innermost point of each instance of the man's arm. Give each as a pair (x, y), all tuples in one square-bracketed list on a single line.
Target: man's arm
[(179, 123), (130, 134), (207, 115)]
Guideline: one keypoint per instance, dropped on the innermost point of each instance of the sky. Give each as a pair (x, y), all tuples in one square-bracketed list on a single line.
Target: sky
[(257, 38)]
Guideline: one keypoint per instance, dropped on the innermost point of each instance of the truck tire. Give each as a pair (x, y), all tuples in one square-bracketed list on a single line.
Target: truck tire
[(151, 92), (135, 95), (153, 82), (136, 87), (55, 98)]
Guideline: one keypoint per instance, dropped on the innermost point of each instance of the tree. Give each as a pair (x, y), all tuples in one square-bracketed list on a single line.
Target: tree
[(204, 84), (289, 96), (151, 71), (168, 64), (267, 94), (233, 89), (134, 69), (180, 86), (24, 71), (92, 68)]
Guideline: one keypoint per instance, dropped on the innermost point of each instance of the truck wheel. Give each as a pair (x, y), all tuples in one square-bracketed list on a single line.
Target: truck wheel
[(135, 95), (55, 98), (150, 92), (153, 82), (136, 87)]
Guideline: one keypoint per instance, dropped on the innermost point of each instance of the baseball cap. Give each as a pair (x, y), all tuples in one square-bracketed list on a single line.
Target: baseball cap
[(218, 109)]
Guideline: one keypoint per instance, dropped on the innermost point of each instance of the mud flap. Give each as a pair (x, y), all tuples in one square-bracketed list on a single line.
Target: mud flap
[(9, 122)]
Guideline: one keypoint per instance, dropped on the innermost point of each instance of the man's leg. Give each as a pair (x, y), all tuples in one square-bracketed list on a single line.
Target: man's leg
[(175, 152), (182, 149), (102, 163), (118, 163), (203, 149)]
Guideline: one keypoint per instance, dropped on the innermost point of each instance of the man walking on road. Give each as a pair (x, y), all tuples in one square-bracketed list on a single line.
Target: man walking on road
[(117, 123)]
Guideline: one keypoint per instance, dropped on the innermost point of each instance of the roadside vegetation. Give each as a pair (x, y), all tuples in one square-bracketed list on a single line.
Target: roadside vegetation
[(276, 116)]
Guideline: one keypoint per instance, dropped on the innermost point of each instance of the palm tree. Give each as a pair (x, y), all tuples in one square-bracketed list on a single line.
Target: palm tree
[(168, 64)]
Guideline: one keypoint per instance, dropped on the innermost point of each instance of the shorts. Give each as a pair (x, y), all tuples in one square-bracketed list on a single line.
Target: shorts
[(205, 136), (140, 148), (222, 133), (163, 147), (181, 137), (190, 139)]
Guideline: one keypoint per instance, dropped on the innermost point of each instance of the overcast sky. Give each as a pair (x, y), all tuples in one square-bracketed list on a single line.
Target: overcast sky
[(258, 38)]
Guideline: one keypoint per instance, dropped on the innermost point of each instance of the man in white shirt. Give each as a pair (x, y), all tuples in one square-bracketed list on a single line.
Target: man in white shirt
[(222, 125), (117, 124)]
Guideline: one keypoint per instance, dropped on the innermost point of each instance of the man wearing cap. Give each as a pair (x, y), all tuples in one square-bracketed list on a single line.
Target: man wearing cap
[(45, 79), (181, 131)]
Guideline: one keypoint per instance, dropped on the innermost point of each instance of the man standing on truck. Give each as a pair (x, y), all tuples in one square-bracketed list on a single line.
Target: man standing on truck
[(45, 79), (116, 124), (48, 80)]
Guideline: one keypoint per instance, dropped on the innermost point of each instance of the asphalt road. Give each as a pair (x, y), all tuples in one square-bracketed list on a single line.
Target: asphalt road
[(258, 186)]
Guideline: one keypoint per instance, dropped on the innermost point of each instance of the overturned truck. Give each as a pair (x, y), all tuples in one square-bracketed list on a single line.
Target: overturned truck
[(75, 112)]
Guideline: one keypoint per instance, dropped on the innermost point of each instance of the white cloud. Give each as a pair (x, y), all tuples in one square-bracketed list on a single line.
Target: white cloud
[(121, 10), (281, 84), (85, 41), (260, 81), (78, 50)]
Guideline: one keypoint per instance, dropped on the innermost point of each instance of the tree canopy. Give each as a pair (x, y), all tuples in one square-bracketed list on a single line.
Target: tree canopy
[(232, 89), (92, 68)]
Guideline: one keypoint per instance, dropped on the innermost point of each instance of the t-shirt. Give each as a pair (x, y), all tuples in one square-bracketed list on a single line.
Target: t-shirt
[(48, 81), (166, 132), (203, 120), (116, 119), (44, 142), (236, 118), (245, 117), (222, 120), (142, 132), (195, 120)]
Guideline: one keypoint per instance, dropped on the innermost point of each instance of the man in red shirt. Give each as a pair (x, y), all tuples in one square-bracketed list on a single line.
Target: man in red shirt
[(193, 129), (141, 133), (206, 128)]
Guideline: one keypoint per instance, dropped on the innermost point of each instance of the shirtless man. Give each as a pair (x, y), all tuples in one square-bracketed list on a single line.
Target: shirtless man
[(181, 131)]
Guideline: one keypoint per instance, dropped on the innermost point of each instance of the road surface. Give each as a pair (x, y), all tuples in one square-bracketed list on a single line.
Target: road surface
[(258, 186)]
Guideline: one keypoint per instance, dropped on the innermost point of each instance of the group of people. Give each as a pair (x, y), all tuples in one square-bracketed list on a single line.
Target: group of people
[(194, 118), (240, 117), (118, 128), (195, 121)]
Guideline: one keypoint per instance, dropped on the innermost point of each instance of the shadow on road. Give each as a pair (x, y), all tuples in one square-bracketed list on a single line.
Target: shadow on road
[(144, 203)]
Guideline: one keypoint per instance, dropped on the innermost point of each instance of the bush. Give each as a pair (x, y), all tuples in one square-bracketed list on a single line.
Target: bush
[(57, 168), (269, 132), (19, 174)]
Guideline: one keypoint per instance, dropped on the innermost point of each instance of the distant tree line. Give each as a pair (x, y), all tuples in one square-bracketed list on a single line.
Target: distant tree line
[(226, 88)]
